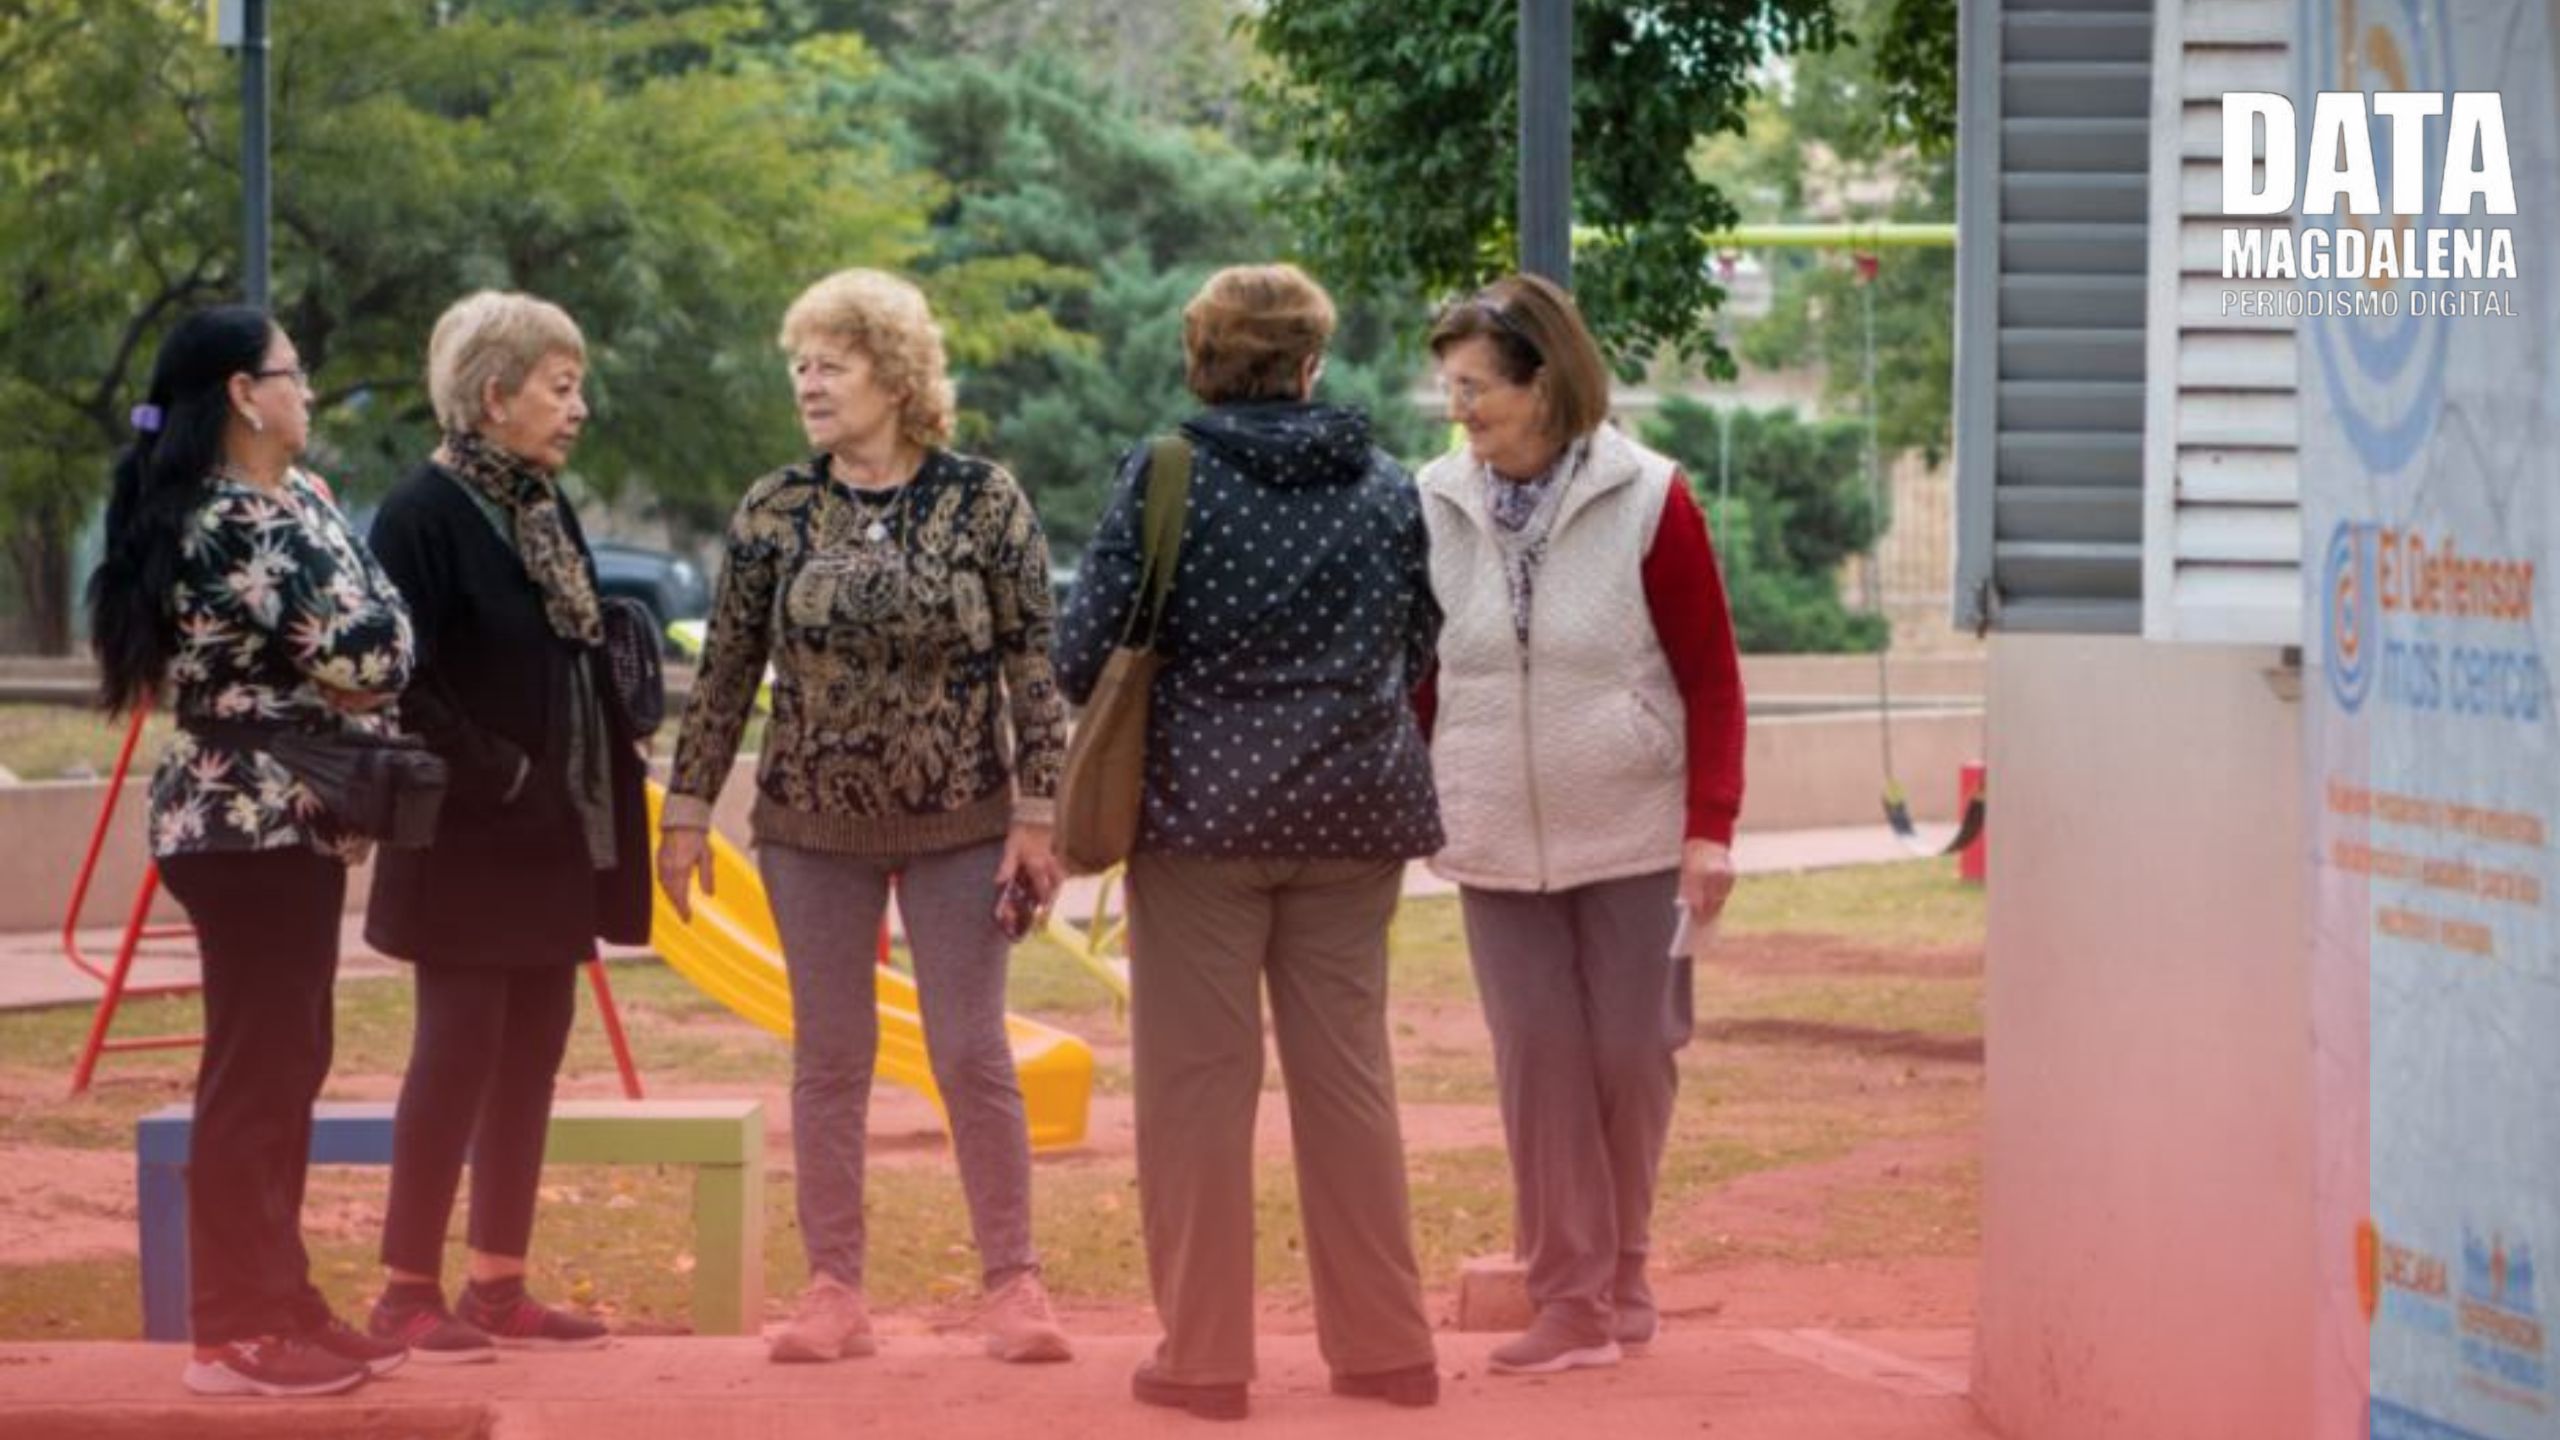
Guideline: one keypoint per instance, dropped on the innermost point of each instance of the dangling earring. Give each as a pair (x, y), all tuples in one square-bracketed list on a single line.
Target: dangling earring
[(256, 425)]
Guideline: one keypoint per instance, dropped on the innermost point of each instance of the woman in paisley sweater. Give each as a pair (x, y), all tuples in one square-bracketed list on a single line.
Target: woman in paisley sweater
[(901, 592), (232, 589)]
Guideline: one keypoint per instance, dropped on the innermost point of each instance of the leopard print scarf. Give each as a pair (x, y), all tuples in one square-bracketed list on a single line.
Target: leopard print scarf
[(532, 500)]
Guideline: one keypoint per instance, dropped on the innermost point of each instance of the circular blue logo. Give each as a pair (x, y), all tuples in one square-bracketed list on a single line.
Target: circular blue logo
[(2352, 622)]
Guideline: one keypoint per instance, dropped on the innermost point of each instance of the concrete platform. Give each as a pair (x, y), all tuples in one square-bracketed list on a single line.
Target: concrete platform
[(1723, 1384)]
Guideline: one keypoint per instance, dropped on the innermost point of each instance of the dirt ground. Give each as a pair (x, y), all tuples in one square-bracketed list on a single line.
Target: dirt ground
[(1877, 1230)]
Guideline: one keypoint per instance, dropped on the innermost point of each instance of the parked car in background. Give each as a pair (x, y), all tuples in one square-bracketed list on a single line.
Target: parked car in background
[(672, 587)]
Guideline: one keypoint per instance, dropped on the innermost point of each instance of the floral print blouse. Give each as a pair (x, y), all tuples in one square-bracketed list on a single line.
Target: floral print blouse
[(276, 598)]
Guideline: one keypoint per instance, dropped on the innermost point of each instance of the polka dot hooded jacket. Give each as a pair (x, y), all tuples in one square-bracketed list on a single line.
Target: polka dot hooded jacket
[(1280, 725)]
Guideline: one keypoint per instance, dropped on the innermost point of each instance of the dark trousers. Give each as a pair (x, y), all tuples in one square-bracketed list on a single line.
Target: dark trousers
[(267, 925), (487, 1048)]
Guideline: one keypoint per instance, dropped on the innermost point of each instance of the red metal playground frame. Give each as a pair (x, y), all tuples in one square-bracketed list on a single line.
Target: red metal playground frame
[(114, 976)]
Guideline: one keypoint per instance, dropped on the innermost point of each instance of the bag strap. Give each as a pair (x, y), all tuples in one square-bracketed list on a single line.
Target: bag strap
[(1168, 501), (245, 734)]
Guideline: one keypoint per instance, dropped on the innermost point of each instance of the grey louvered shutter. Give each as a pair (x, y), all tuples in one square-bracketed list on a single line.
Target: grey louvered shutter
[(2051, 298), (2223, 527)]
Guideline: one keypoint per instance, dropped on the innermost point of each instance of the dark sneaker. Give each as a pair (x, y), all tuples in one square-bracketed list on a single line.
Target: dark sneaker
[(1209, 1402), (378, 1355), (275, 1366), (1635, 1329), (525, 1323), (1413, 1386), (429, 1332), (1555, 1341), (1636, 1319)]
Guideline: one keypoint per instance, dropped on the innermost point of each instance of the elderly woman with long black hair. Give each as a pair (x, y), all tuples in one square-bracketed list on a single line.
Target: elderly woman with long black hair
[(543, 849), (233, 590)]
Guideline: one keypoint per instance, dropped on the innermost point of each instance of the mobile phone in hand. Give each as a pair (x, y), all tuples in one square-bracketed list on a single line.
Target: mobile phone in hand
[(1017, 907)]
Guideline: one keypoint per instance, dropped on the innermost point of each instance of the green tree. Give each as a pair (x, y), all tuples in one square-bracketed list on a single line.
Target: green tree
[(1790, 505), (1838, 113), (1407, 112), (670, 198), (1110, 221)]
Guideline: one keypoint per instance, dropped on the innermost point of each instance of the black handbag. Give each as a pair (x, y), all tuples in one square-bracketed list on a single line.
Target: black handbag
[(389, 788), (631, 655)]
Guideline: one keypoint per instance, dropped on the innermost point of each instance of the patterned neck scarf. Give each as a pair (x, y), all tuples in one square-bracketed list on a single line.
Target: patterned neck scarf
[(1524, 516), (529, 498)]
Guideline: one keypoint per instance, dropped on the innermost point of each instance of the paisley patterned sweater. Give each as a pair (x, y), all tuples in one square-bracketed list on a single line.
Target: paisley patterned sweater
[(908, 634)]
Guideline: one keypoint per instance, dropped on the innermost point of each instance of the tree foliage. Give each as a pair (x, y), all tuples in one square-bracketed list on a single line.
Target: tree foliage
[(1822, 140), (1407, 112), (670, 198), (1114, 220), (1790, 504)]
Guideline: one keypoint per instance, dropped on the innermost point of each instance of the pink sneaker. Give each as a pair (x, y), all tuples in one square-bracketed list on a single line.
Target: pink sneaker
[(831, 1323), (1020, 1327)]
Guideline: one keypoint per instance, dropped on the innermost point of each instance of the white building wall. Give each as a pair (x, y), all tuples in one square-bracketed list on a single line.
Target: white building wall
[(2147, 1263)]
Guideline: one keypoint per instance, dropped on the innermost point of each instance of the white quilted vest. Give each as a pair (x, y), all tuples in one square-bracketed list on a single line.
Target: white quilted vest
[(1567, 764)]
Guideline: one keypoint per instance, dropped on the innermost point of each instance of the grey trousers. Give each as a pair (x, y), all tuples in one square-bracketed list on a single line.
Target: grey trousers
[(828, 908), (1206, 937), (1587, 1012)]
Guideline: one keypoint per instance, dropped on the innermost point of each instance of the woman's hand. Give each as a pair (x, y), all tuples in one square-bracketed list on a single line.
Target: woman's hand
[(1027, 853), (1706, 879), (684, 855)]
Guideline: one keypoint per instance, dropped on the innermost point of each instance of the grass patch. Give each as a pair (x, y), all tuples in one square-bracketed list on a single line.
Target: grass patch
[(1907, 903), (1427, 952), (1885, 1003), (620, 1237), (53, 742)]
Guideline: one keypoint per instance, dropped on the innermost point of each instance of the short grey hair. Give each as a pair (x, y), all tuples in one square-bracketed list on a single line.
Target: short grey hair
[(492, 335)]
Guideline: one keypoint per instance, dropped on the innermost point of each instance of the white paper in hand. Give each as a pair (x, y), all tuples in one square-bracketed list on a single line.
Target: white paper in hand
[(1688, 939)]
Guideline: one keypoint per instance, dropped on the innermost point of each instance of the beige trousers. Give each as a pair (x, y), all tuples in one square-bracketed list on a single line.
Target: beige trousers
[(1206, 937)]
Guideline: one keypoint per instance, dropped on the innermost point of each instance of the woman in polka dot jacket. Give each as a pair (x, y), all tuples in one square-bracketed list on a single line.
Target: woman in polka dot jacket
[(1287, 786)]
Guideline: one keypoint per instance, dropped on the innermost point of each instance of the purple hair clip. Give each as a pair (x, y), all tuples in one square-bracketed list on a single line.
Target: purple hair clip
[(146, 419)]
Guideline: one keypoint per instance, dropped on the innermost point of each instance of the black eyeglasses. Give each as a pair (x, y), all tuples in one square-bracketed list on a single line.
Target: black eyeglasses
[(296, 373)]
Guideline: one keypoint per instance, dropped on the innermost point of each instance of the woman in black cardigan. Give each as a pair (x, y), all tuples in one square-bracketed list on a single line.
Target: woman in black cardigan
[(543, 845)]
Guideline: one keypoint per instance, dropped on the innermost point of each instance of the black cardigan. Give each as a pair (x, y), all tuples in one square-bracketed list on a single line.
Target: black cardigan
[(507, 882)]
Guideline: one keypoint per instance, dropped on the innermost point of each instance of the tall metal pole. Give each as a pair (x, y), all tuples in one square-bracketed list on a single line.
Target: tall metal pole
[(1546, 139), (256, 200)]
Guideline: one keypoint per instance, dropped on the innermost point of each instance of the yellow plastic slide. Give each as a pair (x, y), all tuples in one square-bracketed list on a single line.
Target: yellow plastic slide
[(730, 951)]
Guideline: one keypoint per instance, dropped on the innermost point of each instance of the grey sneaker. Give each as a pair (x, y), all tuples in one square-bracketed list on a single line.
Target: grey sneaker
[(1635, 1327), (274, 1366), (1555, 1341), (1637, 1320), (831, 1324), (1020, 1327)]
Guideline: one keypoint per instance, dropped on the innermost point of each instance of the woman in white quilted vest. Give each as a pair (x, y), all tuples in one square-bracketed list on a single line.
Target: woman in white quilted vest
[(1586, 722)]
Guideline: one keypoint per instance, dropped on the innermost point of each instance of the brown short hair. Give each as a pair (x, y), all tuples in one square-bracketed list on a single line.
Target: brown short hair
[(888, 320), (1536, 329), (1250, 329)]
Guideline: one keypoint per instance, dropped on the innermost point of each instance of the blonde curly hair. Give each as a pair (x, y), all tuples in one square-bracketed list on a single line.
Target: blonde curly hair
[(886, 319)]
